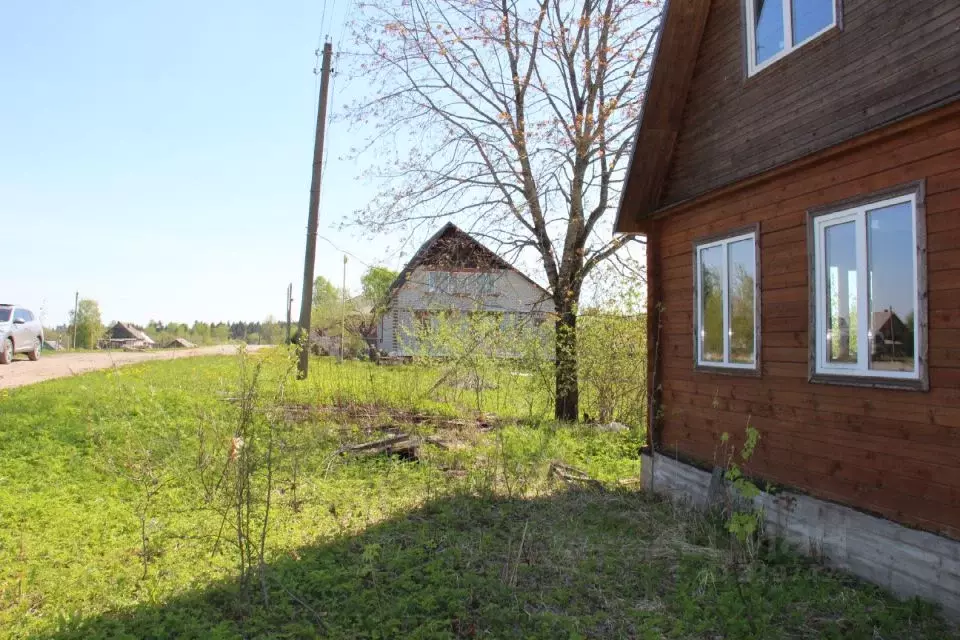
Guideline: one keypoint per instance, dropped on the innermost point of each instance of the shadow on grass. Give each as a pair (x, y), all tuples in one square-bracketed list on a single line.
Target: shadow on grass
[(573, 564)]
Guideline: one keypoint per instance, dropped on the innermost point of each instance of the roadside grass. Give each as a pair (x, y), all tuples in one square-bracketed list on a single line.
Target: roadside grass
[(474, 540)]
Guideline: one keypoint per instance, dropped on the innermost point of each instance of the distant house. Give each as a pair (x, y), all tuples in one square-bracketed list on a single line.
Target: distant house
[(452, 271), (126, 336), (326, 340), (361, 319), (795, 175), (892, 339), (180, 343), (359, 325)]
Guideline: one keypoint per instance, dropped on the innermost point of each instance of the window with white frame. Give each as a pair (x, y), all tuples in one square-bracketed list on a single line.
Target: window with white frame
[(866, 273), (725, 332), (777, 27)]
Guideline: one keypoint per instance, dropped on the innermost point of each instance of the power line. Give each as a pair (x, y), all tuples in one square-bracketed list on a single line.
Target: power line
[(343, 25), (323, 18), (333, 10), (334, 245)]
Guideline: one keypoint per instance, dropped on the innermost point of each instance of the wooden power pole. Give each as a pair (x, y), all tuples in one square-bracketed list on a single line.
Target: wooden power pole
[(306, 298), (343, 307), (289, 310), (76, 310)]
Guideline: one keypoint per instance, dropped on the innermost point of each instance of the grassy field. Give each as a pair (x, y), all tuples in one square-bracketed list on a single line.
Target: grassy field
[(115, 521)]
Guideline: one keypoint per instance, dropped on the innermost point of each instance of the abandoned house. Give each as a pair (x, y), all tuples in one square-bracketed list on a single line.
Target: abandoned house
[(453, 272), (796, 173), (126, 336)]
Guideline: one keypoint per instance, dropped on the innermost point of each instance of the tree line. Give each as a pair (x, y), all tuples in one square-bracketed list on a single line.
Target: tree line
[(88, 327), (328, 304), (268, 331)]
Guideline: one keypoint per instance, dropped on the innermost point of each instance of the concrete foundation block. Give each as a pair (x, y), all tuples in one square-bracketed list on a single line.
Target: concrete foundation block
[(907, 562)]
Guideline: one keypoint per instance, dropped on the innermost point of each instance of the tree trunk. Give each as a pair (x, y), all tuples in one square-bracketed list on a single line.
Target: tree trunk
[(567, 385)]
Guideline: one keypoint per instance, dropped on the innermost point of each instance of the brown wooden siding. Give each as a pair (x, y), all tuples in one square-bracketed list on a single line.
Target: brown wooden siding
[(894, 453), (892, 59)]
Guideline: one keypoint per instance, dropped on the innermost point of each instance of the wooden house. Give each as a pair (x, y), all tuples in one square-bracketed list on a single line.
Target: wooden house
[(180, 343), (797, 177), (122, 335), (452, 271)]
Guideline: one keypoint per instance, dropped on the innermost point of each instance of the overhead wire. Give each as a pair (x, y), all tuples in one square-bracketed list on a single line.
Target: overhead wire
[(335, 73)]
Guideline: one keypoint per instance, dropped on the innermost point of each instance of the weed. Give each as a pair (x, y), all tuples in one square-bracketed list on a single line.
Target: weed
[(474, 540)]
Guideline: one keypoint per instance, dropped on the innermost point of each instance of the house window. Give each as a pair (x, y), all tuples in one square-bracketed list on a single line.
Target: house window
[(725, 331), (777, 27), (485, 283), (439, 281), (866, 265)]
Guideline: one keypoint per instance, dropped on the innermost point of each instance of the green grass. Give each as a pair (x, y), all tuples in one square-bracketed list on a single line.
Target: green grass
[(434, 389), (473, 541)]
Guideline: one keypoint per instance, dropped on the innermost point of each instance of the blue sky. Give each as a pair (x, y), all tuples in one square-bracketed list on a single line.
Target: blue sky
[(156, 157)]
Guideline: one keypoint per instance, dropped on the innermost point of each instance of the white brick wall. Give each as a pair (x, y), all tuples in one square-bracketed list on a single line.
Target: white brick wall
[(509, 292)]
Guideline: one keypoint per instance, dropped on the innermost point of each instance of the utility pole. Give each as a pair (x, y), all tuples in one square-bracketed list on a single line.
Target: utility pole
[(289, 305), (343, 306), (76, 310), (306, 299)]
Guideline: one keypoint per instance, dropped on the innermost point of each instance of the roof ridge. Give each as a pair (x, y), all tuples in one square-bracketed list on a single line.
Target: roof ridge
[(418, 257)]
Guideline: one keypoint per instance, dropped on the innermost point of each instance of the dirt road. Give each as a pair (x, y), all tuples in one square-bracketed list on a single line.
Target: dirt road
[(23, 372)]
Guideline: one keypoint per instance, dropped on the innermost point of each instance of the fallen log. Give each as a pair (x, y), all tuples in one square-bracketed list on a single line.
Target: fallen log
[(404, 445), (572, 474), (385, 445), (437, 442)]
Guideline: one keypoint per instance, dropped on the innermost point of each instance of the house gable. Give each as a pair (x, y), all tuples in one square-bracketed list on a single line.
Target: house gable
[(121, 331), (886, 60), (456, 254), (452, 271)]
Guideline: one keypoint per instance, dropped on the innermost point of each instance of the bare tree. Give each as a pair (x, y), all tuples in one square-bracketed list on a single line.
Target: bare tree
[(515, 117)]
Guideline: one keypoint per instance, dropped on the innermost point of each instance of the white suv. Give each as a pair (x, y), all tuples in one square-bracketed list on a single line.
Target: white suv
[(20, 332)]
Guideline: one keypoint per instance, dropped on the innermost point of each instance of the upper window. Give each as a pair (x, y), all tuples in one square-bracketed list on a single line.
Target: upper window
[(439, 281), (725, 332), (866, 272), (777, 27), (485, 283)]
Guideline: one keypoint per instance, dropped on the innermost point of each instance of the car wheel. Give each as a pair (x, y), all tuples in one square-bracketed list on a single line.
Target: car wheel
[(34, 355), (6, 353)]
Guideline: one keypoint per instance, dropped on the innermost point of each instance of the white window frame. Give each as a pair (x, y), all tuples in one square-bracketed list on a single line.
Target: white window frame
[(789, 46), (724, 242), (861, 369)]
